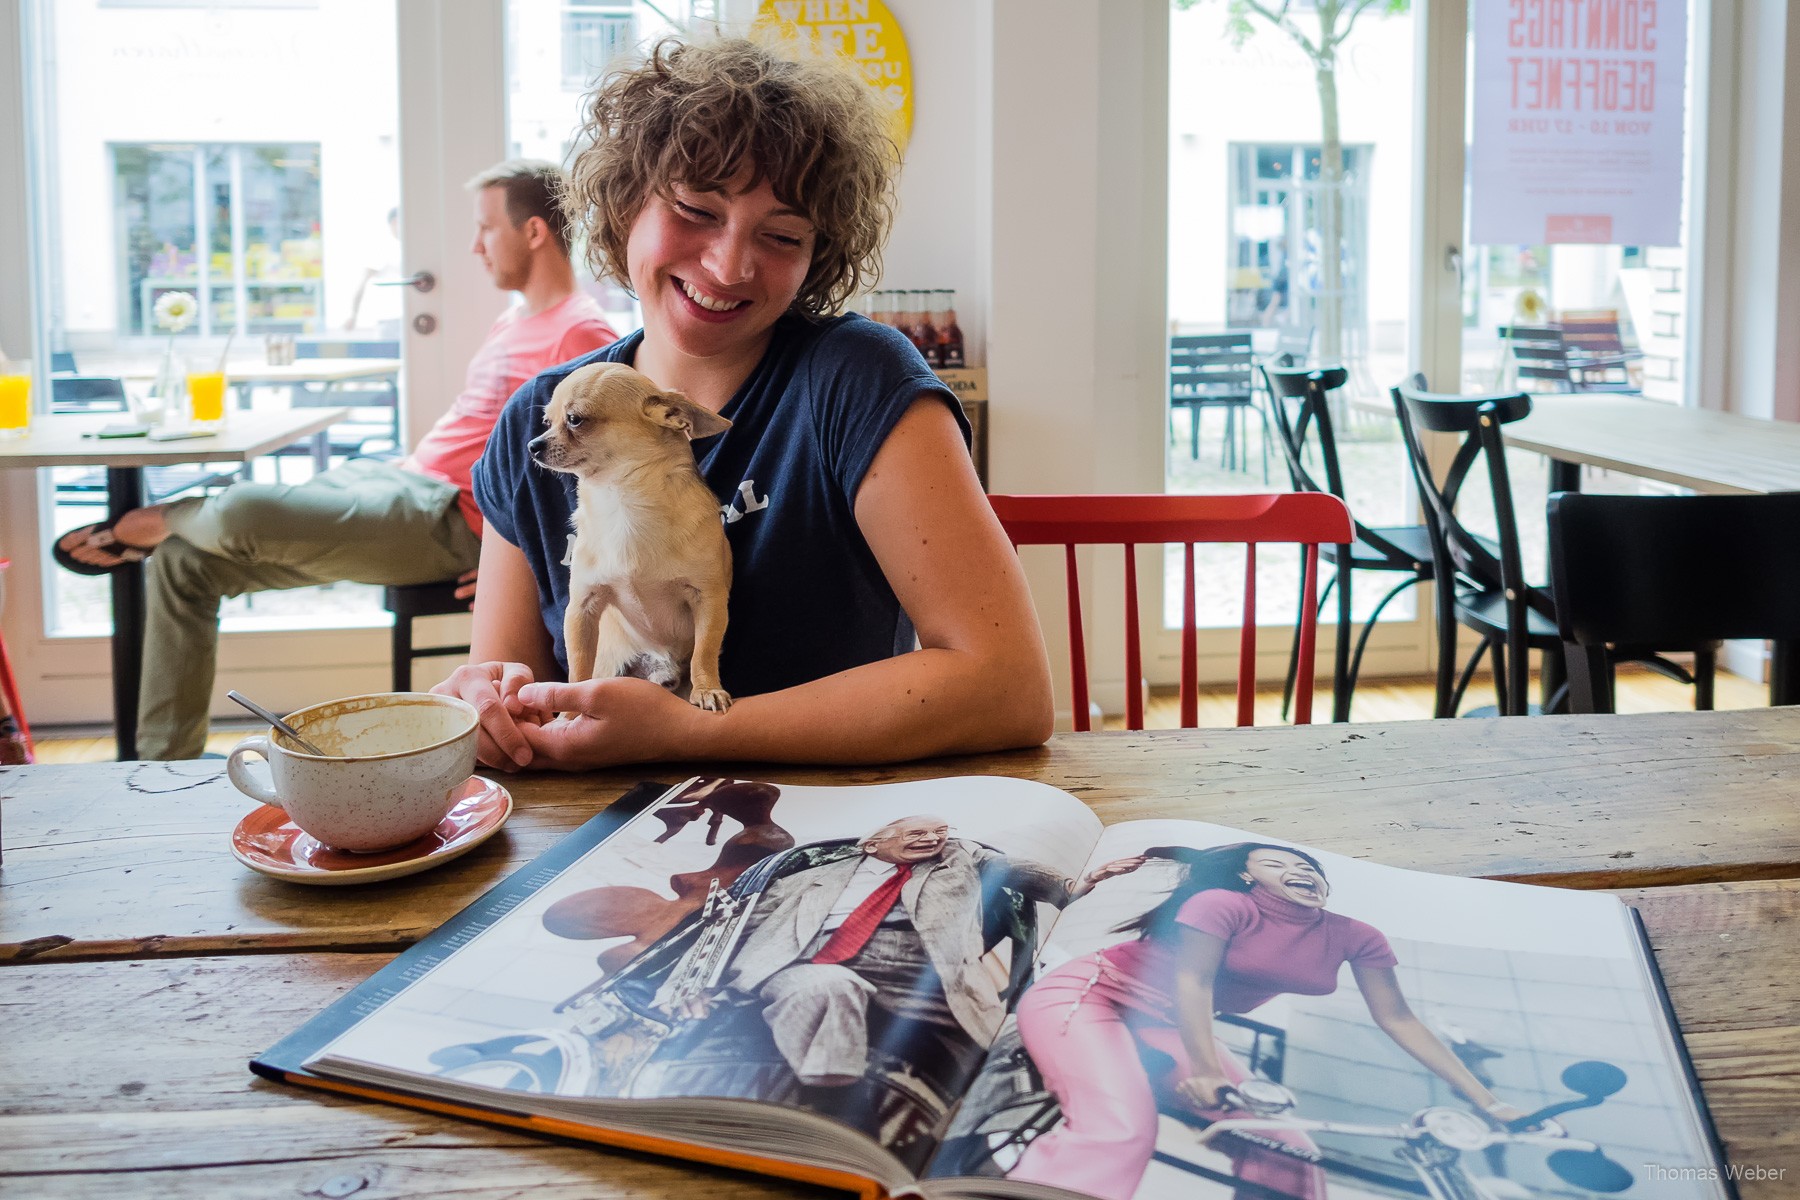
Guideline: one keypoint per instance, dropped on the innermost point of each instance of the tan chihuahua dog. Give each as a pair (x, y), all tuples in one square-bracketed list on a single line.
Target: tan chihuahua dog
[(650, 569)]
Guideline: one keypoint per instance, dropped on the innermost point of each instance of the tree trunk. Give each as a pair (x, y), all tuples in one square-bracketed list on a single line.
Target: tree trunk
[(1330, 201)]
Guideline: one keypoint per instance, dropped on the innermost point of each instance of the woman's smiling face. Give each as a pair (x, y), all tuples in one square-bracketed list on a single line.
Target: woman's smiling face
[(1285, 874), (715, 270)]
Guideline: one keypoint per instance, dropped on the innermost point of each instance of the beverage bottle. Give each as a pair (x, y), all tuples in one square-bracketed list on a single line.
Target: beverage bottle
[(949, 333), (903, 315), (883, 308), (924, 333)]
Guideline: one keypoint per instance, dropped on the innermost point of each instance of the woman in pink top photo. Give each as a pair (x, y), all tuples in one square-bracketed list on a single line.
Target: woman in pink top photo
[(1246, 923)]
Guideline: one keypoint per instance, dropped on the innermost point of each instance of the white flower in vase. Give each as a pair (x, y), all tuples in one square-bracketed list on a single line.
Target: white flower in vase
[(174, 311)]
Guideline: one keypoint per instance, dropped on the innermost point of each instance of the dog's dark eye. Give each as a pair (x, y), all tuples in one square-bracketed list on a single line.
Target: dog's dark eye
[(573, 420)]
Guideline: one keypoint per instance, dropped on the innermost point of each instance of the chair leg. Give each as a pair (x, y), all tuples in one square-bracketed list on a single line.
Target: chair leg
[(1293, 671), (1706, 661), (1362, 640), (1468, 673), (1340, 662), (1590, 678), (1497, 654), (400, 645), (1194, 432), (1447, 687)]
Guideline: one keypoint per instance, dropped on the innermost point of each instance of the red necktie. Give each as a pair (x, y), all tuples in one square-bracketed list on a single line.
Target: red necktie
[(860, 925)]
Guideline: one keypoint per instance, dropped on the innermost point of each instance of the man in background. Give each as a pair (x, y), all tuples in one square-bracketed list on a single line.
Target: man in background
[(392, 524)]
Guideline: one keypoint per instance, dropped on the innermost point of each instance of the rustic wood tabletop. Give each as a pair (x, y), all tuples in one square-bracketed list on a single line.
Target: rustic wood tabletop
[(141, 965)]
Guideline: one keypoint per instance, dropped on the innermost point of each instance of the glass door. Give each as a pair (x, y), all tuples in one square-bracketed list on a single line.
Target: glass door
[(276, 165), (1291, 201)]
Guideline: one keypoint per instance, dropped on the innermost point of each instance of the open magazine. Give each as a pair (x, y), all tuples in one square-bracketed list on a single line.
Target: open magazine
[(968, 987)]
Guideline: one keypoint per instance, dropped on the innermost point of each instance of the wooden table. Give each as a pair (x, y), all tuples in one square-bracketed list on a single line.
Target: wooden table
[(1693, 448), (141, 966), (58, 441)]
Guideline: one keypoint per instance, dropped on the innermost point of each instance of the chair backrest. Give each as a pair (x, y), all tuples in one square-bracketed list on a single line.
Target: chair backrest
[(1540, 355), (1305, 518), (1478, 420), (62, 362), (1456, 550), (1212, 365), (87, 393), (1674, 571), (1299, 407), (1592, 331), (346, 348)]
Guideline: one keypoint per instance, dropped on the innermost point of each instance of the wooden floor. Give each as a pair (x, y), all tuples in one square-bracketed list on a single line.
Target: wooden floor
[(1637, 690), (1376, 700)]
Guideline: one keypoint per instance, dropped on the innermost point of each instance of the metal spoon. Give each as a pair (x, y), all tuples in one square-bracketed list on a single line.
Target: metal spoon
[(277, 722)]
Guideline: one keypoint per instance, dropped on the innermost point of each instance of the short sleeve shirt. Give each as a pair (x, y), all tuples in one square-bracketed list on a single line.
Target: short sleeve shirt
[(808, 597), (1272, 948)]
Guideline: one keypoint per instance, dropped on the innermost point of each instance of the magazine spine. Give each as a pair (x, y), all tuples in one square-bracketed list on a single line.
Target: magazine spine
[(845, 1181), (1684, 1059)]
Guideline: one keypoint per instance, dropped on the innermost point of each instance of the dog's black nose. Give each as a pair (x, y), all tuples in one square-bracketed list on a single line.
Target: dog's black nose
[(538, 445)]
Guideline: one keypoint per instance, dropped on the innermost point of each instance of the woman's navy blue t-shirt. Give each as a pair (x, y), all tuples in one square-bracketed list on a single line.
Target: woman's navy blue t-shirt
[(808, 598)]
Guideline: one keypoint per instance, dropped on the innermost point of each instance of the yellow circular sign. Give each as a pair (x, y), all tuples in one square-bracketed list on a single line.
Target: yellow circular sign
[(863, 32)]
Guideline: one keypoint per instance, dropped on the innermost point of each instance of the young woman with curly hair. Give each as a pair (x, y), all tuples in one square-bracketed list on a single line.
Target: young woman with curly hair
[(744, 198), (1248, 922)]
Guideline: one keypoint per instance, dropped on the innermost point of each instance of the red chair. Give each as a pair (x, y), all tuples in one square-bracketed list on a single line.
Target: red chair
[(1310, 519), (10, 706)]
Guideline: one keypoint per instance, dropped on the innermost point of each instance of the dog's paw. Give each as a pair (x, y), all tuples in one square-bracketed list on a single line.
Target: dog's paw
[(711, 699)]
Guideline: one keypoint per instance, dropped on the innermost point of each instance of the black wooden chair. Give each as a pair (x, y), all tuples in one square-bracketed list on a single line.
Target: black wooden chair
[(408, 603), (1484, 584), (1218, 370), (1674, 572), (1301, 408)]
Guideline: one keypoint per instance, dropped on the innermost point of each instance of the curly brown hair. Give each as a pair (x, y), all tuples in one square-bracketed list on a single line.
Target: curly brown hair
[(699, 114)]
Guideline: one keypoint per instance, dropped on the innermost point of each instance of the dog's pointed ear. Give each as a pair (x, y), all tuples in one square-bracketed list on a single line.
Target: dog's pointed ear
[(678, 412)]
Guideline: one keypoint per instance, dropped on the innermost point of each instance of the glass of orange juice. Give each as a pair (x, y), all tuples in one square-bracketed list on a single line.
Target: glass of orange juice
[(206, 392), (15, 399)]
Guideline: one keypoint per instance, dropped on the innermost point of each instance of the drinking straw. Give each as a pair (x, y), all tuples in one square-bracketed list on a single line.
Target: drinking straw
[(226, 350)]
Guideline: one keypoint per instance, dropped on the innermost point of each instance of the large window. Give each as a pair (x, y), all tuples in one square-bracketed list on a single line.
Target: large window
[(592, 36), (236, 226)]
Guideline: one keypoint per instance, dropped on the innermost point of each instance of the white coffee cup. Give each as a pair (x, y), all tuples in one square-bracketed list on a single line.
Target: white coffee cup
[(391, 766)]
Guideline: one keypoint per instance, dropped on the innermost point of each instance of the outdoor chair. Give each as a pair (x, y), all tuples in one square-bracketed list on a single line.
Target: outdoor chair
[(1673, 572), (1548, 356), (1310, 519), (354, 438), (1217, 370), (1301, 408), (1483, 583)]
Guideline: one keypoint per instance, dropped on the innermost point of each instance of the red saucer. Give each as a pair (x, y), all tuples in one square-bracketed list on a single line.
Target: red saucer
[(267, 840)]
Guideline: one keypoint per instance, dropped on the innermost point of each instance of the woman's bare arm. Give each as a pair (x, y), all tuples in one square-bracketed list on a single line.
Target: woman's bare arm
[(1198, 957), (980, 682), (508, 649), (1387, 1004)]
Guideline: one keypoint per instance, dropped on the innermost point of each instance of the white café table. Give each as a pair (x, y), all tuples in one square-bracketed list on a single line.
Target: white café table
[(56, 440)]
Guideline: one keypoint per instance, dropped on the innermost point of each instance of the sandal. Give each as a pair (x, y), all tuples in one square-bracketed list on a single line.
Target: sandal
[(100, 536)]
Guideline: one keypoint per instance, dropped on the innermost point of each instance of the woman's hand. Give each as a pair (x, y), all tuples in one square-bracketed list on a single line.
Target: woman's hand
[(493, 688), (608, 722), (1502, 1113), (1118, 866), (1202, 1090)]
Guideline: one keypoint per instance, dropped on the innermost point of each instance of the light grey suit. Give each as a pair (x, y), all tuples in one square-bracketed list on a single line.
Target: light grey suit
[(819, 1012)]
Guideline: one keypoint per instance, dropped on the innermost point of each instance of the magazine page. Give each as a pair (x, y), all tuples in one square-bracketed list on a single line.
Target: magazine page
[(842, 951), (1237, 1018)]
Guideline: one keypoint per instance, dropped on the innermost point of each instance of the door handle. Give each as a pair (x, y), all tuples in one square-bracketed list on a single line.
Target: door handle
[(424, 281)]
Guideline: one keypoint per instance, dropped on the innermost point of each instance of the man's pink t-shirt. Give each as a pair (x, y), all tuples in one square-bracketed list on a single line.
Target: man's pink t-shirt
[(1272, 947), (516, 348)]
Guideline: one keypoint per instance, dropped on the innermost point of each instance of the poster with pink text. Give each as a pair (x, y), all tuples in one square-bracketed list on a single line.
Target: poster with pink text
[(1578, 114)]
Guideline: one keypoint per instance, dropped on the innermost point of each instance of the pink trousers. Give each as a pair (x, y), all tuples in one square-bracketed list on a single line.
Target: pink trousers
[(1072, 1022)]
